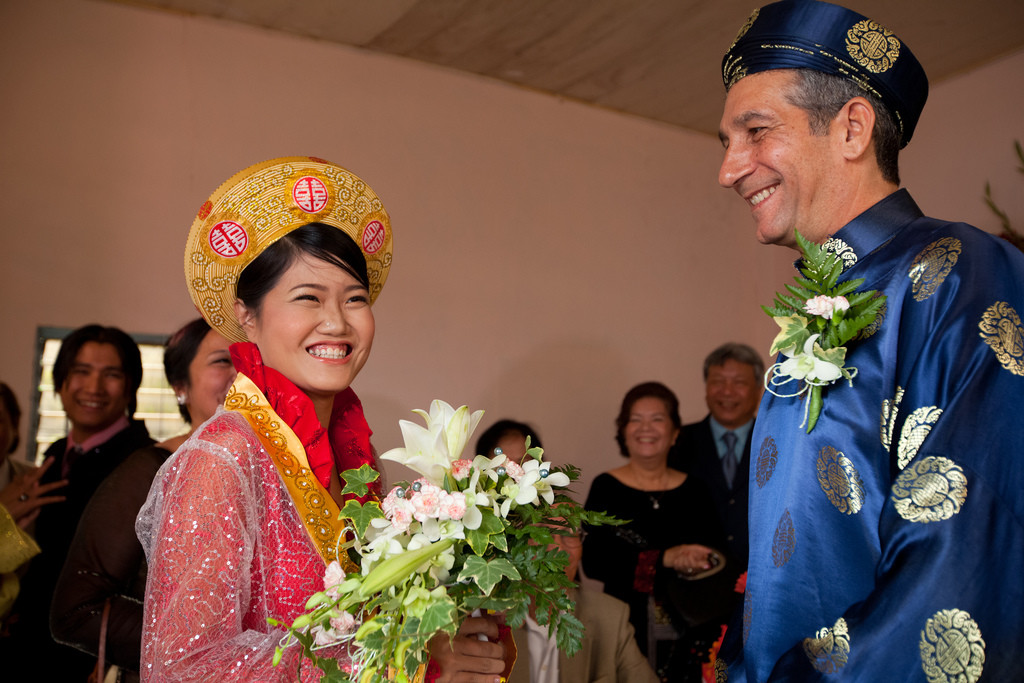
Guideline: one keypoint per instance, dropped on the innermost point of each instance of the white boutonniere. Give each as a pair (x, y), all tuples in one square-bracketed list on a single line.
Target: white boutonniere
[(816, 319)]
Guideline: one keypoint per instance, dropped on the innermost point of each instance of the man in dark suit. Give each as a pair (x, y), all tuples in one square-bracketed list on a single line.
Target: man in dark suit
[(97, 374), (717, 449)]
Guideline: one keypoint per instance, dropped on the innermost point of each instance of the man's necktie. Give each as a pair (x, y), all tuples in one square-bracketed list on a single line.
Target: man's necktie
[(729, 461)]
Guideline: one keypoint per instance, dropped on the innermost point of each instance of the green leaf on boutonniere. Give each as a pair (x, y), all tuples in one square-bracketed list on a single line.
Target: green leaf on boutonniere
[(793, 333), (814, 406), (835, 356)]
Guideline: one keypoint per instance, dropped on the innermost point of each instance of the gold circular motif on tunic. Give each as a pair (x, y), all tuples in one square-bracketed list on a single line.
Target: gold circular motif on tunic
[(766, 461), (952, 649), (917, 427), (829, 649), (873, 46), (721, 671), (876, 324), (1002, 330), (890, 409), (840, 481), (930, 490), (784, 540), (931, 267)]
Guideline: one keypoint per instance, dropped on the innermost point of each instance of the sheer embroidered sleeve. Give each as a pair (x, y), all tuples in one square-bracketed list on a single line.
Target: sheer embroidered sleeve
[(226, 552)]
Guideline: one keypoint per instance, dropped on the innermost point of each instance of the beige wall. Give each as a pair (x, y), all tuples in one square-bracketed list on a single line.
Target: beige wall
[(548, 255)]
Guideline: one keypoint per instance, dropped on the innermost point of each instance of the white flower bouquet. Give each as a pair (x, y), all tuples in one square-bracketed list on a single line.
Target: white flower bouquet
[(467, 535)]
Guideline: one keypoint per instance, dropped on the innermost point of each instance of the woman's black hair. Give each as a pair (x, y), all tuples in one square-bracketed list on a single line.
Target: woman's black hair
[(318, 240), (13, 411), (487, 442), (179, 352), (645, 390)]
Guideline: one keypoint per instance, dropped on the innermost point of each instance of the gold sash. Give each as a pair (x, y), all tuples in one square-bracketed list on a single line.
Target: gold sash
[(317, 510)]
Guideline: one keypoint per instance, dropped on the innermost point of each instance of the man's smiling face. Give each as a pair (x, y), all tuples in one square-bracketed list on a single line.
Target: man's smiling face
[(786, 173)]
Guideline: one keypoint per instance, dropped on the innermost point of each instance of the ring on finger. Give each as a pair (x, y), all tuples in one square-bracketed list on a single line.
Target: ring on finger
[(23, 497)]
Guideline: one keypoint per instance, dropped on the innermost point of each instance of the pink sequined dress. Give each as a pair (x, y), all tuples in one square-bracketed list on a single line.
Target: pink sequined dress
[(235, 532)]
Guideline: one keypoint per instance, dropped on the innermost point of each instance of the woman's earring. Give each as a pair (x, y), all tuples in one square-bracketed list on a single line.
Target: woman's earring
[(181, 399)]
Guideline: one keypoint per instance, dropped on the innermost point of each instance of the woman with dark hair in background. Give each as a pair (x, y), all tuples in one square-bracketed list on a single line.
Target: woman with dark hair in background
[(510, 437), (672, 527), (285, 259), (105, 560)]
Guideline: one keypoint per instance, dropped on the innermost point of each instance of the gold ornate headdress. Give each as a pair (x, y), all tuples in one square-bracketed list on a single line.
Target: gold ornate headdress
[(262, 203)]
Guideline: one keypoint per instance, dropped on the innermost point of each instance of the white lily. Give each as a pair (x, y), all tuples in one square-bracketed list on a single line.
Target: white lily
[(807, 366), (430, 450), (457, 424)]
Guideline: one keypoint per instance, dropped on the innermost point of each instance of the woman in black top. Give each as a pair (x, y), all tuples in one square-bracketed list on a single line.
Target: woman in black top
[(672, 528)]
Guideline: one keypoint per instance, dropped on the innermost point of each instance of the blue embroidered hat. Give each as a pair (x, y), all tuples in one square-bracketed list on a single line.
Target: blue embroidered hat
[(807, 34)]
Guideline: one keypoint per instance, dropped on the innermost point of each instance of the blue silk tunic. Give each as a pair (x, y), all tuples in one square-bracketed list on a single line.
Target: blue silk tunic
[(887, 544)]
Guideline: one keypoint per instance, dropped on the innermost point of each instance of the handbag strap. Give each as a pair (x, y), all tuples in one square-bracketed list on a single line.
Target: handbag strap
[(101, 657)]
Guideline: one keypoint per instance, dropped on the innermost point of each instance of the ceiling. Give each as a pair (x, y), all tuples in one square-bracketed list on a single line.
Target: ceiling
[(658, 59)]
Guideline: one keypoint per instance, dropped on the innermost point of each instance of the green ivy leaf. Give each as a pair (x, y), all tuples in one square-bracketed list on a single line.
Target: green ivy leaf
[(357, 481), (835, 356), (792, 332), (440, 616), (361, 514), (487, 574), (500, 542), (479, 539)]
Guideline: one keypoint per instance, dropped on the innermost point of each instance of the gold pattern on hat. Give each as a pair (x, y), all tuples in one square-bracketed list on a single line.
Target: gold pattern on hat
[(766, 461), (743, 29), (784, 541), (890, 409), (952, 648), (932, 265), (873, 46), (840, 481), (843, 250), (733, 70), (915, 430), (1002, 330), (931, 489), (829, 649), (263, 203)]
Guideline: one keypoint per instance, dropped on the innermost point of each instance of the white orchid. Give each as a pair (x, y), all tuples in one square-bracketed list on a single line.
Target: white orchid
[(431, 450), (808, 365), (539, 476)]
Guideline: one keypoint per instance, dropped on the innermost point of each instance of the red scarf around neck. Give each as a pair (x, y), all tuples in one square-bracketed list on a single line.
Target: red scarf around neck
[(344, 444)]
